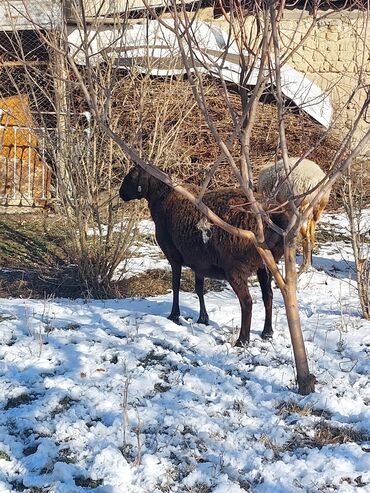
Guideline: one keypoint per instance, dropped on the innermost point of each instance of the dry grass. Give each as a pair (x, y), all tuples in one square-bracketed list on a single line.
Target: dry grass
[(199, 487), (32, 250), (329, 434), (320, 434), (33, 259), (288, 408)]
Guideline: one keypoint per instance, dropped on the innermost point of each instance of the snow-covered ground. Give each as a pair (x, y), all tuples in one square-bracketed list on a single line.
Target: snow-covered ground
[(111, 397)]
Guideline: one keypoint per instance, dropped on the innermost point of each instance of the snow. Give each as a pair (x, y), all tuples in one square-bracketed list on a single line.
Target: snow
[(111, 396), (153, 47)]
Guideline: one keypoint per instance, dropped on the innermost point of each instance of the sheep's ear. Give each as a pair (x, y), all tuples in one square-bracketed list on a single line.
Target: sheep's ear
[(135, 173), (136, 177), (142, 181)]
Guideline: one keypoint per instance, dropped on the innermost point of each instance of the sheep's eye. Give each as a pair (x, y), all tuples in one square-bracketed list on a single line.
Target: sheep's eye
[(139, 188)]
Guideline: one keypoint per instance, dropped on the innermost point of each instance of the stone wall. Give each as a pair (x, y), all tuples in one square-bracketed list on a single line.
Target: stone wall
[(334, 53)]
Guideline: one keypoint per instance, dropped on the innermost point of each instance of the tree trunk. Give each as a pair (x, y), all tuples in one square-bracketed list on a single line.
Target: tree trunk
[(306, 381), (61, 81)]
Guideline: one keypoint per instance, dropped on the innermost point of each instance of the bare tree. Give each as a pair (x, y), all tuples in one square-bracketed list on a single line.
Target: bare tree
[(85, 162), (355, 200), (260, 56)]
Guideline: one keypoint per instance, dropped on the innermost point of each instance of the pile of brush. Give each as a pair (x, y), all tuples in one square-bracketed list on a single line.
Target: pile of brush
[(162, 120)]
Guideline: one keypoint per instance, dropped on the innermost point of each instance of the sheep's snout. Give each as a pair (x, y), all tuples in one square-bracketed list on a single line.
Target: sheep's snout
[(124, 193), (129, 189), (132, 185)]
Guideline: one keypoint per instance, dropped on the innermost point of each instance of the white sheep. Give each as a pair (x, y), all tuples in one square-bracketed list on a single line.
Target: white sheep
[(302, 179)]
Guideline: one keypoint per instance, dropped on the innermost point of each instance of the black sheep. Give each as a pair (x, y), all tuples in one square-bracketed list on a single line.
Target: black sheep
[(187, 238)]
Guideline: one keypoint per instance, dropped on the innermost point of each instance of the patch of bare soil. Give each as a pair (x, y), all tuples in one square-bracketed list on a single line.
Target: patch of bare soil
[(32, 259), (33, 264), (155, 282)]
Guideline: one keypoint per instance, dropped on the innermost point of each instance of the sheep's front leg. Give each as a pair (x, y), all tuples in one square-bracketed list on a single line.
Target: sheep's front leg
[(176, 276), (199, 289), (264, 278), (239, 285)]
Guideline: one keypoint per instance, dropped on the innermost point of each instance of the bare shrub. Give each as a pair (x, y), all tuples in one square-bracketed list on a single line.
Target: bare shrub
[(356, 197)]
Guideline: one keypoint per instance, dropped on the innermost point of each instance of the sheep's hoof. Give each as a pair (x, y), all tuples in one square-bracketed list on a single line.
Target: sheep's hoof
[(267, 334), (203, 320), (241, 343), (303, 268), (175, 319)]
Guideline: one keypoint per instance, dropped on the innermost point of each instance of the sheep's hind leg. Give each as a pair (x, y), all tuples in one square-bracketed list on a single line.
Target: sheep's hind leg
[(199, 289), (307, 255), (264, 277), (239, 285), (176, 276), (308, 238)]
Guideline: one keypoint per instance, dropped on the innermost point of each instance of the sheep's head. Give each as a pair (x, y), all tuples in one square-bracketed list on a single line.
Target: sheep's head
[(135, 184)]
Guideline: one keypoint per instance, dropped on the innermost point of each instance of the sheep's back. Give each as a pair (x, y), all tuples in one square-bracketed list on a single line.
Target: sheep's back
[(234, 209), (303, 178), (201, 243)]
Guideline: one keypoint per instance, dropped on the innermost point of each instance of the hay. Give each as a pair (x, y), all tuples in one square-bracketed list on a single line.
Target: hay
[(161, 108)]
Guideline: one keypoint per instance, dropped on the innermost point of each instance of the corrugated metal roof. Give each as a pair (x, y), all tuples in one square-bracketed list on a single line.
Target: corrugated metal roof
[(154, 48)]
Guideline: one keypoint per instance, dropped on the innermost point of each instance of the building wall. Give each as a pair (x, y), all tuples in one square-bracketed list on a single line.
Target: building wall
[(106, 8), (21, 14), (335, 53)]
